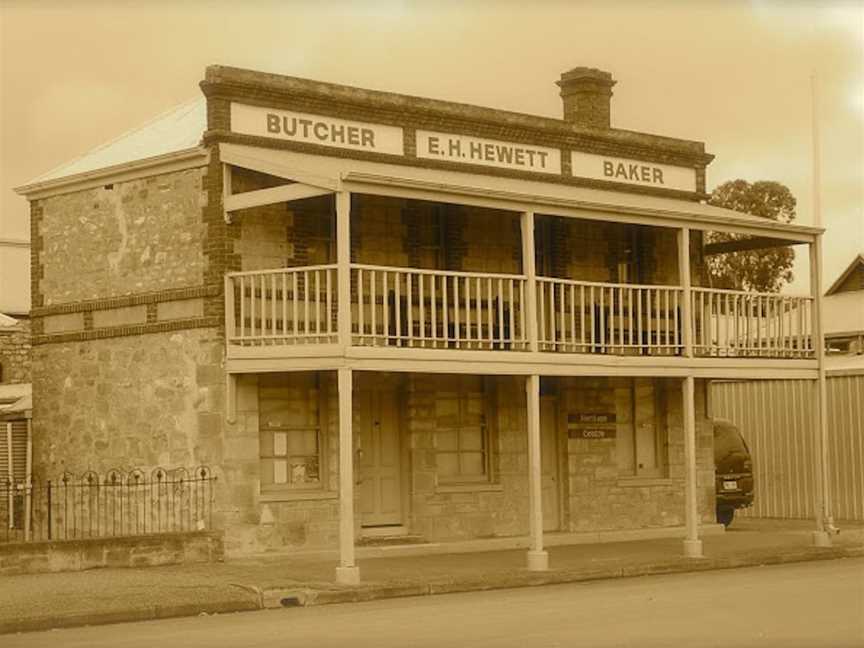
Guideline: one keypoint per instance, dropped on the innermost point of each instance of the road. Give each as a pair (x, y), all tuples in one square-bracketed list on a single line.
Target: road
[(806, 604)]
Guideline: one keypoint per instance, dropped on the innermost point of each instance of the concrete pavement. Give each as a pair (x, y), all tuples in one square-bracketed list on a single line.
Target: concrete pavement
[(112, 595), (812, 604)]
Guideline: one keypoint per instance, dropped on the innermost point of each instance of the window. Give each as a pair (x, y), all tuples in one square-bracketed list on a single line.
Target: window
[(642, 441), (462, 439), (291, 418), (431, 243), (320, 239)]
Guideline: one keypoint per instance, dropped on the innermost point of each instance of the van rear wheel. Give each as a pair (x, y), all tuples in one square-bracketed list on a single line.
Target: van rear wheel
[(725, 515)]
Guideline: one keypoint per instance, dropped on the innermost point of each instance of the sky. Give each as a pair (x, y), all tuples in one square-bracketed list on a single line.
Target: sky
[(734, 74)]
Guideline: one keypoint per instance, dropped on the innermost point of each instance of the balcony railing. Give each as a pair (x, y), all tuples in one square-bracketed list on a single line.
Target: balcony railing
[(749, 324), (436, 309), (621, 319), (278, 307)]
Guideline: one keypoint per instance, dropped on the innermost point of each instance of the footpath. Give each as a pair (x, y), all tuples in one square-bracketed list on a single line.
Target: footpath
[(44, 601)]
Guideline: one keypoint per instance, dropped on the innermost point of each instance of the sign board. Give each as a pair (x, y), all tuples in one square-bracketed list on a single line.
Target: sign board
[(634, 172), (591, 425), (316, 129), (462, 149)]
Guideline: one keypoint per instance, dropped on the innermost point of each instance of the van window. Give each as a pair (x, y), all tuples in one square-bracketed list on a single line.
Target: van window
[(728, 440)]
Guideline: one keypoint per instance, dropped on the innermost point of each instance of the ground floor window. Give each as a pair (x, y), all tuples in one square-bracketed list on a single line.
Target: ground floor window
[(642, 436), (291, 417), (462, 435)]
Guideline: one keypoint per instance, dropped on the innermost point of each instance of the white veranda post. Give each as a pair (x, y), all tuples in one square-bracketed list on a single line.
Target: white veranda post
[(347, 573), (692, 543), (538, 559)]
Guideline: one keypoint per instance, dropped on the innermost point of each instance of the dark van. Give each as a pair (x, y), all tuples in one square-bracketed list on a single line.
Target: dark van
[(733, 468)]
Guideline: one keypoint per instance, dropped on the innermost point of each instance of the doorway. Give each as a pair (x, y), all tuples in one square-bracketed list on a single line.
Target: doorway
[(377, 428), (549, 463)]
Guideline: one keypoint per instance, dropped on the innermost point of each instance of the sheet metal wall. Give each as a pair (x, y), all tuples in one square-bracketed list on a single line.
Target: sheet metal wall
[(776, 419)]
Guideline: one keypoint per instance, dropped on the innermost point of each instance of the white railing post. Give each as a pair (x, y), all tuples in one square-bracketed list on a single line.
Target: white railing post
[(230, 325), (343, 263), (824, 520), (686, 289), (529, 269)]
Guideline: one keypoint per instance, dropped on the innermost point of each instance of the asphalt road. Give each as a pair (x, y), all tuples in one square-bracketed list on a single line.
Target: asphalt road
[(806, 604)]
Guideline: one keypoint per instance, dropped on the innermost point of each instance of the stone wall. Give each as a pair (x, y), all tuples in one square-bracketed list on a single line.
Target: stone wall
[(126, 402), (15, 353), (138, 236), (93, 553), (596, 494), (600, 496), (259, 518), (442, 512)]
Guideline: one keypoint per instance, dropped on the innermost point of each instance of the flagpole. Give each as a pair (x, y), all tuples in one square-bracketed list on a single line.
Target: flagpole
[(824, 525)]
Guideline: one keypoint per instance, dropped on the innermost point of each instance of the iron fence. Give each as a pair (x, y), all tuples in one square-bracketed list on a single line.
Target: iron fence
[(114, 504)]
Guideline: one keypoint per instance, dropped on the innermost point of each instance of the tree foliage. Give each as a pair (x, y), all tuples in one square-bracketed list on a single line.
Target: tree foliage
[(763, 270)]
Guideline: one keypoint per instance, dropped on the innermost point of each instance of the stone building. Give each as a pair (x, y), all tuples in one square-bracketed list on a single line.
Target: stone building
[(14, 350), (374, 314)]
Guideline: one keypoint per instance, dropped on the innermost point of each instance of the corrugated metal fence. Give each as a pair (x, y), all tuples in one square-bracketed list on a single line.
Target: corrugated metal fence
[(776, 419)]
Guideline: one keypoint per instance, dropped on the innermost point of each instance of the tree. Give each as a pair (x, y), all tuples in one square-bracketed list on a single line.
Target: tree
[(764, 270)]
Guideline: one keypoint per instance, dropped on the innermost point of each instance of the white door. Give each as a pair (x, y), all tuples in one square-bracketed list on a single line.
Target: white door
[(376, 424), (549, 462)]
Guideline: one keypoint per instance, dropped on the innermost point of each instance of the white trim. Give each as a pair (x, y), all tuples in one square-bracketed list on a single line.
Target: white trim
[(274, 359), (511, 194), (21, 243), (272, 195), (573, 208), (170, 162), (244, 157)]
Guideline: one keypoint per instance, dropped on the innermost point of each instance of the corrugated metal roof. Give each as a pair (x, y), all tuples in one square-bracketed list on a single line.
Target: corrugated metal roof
[(178, 129)]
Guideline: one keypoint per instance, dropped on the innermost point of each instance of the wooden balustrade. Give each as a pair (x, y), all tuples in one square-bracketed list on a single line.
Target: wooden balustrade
[(749, 324), (284, 306), (434, 309), (623, 319), (437, 309)]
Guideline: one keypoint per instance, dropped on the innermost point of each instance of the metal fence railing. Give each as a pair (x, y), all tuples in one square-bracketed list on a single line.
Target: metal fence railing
[(113, 504)]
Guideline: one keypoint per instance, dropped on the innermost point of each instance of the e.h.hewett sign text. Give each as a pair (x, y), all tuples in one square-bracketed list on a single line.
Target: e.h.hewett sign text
[(462, 149)]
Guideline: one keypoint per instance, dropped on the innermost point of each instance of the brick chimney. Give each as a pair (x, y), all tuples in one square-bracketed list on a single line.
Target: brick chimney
[(586, 93)]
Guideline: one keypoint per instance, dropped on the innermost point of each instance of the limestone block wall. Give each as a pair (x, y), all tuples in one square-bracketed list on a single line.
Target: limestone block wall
[(138, 236), (599, 496), (129, 402), (15, 353), (256, 520), (595, 494), (591, 251), (500, 508)]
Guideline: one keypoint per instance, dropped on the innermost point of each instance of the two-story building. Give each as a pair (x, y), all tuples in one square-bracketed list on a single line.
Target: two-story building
[(374, 315)]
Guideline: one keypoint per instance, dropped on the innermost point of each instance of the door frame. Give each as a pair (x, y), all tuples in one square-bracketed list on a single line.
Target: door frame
[(394, 383)]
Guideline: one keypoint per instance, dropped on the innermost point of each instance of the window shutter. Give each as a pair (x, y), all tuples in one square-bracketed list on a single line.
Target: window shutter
[(19, 451)]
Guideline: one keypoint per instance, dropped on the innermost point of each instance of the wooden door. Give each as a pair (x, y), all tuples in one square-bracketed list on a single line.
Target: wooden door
[(549, 463), (376, 423)]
